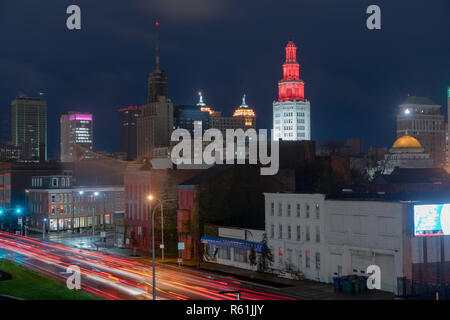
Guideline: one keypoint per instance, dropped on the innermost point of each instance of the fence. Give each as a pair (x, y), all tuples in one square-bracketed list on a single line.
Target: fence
[(411, 289)]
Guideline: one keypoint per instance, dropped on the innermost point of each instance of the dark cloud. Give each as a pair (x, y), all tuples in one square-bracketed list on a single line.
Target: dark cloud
[(354, 78)]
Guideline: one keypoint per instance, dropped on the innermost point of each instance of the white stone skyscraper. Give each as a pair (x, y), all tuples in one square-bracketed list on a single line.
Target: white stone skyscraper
[(291, 112)]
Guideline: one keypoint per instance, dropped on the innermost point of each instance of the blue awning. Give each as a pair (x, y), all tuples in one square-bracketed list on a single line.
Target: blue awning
[(233, 243)]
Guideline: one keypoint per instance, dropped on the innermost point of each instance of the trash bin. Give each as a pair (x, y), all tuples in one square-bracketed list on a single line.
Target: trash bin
[(363, 284), (346, 286), (355, 286), (337, 283)]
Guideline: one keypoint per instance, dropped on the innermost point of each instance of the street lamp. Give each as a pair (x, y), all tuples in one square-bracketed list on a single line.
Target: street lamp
[(93, 218), (150, 198), (43, 228)]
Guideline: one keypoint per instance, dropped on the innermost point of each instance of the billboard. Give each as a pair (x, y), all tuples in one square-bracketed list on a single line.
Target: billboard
[(431, 220)]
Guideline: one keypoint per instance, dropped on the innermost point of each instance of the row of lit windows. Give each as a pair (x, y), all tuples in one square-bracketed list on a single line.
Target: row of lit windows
[(297, 210), (289, 235)]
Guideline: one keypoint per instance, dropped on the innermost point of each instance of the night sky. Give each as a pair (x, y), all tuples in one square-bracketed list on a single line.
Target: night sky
[(354, 77)]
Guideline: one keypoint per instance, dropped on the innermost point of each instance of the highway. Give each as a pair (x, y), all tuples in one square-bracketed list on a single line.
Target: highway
[(117, 278)]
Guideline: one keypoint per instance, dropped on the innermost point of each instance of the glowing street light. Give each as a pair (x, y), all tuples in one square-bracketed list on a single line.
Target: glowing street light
[(407, 111), (18, 210)]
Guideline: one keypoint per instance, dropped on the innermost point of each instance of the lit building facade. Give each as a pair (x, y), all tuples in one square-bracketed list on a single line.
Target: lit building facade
[(291, 112), (76, 135), (29, 127), (406, 152), (247, 113), (64, 206), (423, 120)]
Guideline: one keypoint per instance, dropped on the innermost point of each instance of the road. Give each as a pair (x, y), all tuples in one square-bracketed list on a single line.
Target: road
[(116, 277)]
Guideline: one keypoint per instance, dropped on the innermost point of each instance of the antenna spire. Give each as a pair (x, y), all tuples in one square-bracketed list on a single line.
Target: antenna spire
[(157, 46), (244, 105), (200, 101)]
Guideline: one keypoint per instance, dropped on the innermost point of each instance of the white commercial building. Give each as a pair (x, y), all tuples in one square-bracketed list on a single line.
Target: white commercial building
[(323, 236), (295, 229)]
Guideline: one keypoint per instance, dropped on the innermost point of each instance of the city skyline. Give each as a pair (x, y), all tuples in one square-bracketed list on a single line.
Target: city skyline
[(343, 85)]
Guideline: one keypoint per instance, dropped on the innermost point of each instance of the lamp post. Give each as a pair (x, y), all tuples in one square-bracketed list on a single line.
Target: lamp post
[(93, 217), (150, 198), (44, 222)]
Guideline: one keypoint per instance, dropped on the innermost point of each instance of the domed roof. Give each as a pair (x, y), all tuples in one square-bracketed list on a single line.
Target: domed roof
[(407, 142)]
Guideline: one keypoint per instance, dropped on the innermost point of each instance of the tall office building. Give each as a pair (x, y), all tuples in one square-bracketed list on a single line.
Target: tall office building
[(154, 127), (76, 135), (29, 127), (421, 118), (291, 113), (128, 118)]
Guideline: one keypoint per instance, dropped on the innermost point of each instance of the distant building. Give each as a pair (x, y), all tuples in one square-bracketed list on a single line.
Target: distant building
[(243, 111), (9, 152), (128, 118), (423, 120), (190, 117), (76, 135), (15, 178), (29, 127), (154, 127), (291, 112), (406, 152)]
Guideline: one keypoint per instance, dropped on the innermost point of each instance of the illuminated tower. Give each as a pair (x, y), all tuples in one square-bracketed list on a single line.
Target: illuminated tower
[(245, 112), (291, 113)]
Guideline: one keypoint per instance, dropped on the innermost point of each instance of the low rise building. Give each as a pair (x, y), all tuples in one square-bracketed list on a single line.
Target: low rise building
[(57, 203), (231, 246)]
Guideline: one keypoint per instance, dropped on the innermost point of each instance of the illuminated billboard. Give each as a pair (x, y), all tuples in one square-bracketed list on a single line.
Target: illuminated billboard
[(431, 220)]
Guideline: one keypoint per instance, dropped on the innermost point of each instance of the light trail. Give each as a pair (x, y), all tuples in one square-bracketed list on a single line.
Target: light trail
[(113, 277)]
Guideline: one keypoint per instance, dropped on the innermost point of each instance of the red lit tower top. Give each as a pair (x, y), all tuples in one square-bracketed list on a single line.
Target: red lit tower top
[(291, 87)]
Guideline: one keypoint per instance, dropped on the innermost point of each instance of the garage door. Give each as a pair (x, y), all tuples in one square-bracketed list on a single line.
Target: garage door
[(386, 264), (360, 262), (336, 264)]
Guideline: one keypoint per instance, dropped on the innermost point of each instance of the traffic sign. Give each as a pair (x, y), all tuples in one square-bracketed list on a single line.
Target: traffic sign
[(19, 220), (161, 246), (103, 234), (180, 245)]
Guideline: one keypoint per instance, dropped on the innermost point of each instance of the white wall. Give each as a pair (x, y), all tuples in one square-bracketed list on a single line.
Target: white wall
[(360, 233), (294, 250)]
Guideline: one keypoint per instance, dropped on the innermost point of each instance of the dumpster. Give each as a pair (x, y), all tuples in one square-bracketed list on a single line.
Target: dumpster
[(337, 283)]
